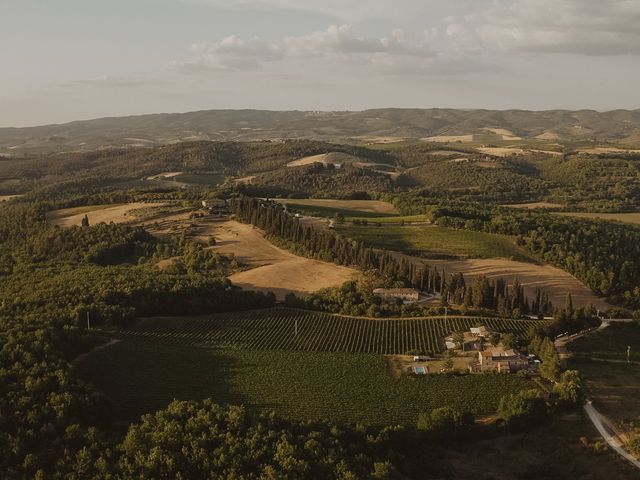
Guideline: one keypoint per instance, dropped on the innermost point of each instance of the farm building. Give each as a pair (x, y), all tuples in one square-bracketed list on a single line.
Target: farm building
[(474, 339), (407, 295), (480, 331), (508, 361)]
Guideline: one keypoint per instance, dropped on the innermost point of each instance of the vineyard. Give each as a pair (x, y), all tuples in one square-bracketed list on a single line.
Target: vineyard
[(141, 376), (298, 330)]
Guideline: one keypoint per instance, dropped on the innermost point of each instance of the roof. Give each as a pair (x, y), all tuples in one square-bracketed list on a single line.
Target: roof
[(479, 330)]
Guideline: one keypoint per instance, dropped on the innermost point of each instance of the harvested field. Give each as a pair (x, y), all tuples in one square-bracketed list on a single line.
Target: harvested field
[(631, 217), (504, 133), (531, 276), (548, 135), (68, 217), (6, 198), (370, 206), (506, 151), (449, 138), (275, 270), (534, 205)]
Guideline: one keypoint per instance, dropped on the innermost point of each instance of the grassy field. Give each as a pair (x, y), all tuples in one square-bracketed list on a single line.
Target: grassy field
[(438, 242), (614, 388), (610, 343), (630, 217), (346, 207), (330, 212), (141, 377), (551, 451), (392, 219), (275, 329)]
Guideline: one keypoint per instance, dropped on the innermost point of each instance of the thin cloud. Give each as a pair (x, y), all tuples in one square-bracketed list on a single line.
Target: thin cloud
[(108, 81), (349, 10), (337, 43), (584, 27)]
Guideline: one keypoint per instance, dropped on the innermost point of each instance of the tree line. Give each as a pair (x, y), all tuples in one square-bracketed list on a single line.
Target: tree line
[(393, 270)]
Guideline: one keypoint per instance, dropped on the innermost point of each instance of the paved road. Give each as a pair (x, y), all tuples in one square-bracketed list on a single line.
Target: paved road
[(613, 440)]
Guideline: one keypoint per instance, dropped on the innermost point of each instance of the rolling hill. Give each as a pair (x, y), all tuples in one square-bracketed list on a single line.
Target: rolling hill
[(370, 126)]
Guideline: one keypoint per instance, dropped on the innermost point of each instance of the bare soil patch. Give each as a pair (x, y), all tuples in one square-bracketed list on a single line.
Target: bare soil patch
[(275, 270), (69, 217), (546, 277)]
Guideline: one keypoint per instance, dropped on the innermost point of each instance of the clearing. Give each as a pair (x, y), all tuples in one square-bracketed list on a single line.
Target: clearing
[(630, 217), (367, 206), (275, 269), (69, 217)]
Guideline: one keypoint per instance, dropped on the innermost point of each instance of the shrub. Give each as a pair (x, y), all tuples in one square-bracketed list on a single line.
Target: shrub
[(522, 409), (444, 422)]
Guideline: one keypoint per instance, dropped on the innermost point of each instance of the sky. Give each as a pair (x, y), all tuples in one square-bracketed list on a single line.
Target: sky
[(67, 60)]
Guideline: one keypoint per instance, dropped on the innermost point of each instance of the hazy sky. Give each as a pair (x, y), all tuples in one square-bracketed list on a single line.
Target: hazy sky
[(76, 59)]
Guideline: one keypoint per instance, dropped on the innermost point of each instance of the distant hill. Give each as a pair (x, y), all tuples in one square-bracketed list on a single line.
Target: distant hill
[(583, 127)]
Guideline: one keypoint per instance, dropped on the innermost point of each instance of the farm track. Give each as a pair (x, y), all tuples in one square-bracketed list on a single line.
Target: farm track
[(274, 329)]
